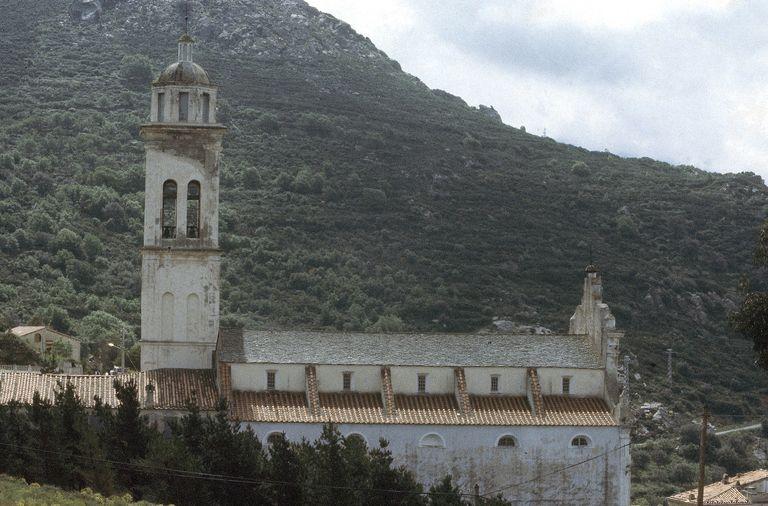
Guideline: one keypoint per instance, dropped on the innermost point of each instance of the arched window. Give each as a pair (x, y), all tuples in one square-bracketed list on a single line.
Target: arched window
[(506, 442), (580, 442), (169, 209), (193, 210), (432, 441), (356, 439)]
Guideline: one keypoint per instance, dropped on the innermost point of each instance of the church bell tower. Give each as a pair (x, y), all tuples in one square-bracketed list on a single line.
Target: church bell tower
[(181, 257)]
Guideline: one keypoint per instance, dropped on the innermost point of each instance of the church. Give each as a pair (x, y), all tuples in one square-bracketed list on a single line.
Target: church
[(537, 418)]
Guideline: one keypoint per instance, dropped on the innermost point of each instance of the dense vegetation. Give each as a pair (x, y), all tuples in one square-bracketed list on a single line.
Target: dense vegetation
[(353, 197), (203, 460), (663, 467), (14, 352)]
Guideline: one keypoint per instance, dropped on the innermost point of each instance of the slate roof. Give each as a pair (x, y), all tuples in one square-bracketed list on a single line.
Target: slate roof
[(425, 409), (454, 350), (723, 493), (173, 387)]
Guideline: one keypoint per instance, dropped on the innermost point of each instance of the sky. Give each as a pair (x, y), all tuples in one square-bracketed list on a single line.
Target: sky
[(680, 81)]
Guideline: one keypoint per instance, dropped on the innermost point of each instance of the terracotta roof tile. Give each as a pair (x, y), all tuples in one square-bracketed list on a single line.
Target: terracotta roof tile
[(462, 397), (313, 401), (387, 393), (724, 493), (435, 409), (172, 387), (535, 391)]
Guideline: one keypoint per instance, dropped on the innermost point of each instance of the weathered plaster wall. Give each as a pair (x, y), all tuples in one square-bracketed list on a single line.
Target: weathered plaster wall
[(471, 457), (584, 382), (48, 335), (253, 377), (180, 275), (364, 378)]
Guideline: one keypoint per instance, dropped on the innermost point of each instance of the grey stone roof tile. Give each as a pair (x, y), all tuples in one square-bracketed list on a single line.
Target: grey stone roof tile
[(454, 350)]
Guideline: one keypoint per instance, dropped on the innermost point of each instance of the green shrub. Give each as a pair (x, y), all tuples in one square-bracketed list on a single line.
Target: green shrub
[(136, 71)]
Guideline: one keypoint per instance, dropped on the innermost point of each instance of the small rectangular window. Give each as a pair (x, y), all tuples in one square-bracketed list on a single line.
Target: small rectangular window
[(422, 383), (183, 106), (566, 386), (206, 108), (161, 107), (347, 381), (271, 380), (495, 383)]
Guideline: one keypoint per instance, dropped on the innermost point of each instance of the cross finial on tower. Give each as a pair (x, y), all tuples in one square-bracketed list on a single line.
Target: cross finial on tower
[(186, 17)]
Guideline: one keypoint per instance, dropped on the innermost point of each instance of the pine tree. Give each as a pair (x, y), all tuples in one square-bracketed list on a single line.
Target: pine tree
[(284, 466)]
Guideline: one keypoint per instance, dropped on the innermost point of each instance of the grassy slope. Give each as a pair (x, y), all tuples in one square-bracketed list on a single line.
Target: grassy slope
[(19, 492)]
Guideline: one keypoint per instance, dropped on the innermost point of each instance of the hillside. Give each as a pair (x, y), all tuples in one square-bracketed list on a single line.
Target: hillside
[(352, 192)]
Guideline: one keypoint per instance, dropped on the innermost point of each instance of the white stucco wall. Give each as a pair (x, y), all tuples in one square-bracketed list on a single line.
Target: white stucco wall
[(440, 380), (364, 378), (162, 166), (176, 355), (471, 457), (584, 382), (253, 377), (512, 381)]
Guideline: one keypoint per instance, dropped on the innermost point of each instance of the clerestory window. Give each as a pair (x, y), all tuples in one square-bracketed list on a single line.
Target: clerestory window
[(566, 385), (495, 384), (271, 376), (422, 383), (346, 381)]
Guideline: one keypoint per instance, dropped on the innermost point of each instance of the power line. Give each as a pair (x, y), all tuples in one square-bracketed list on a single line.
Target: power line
[(556, 471), (135, 466)]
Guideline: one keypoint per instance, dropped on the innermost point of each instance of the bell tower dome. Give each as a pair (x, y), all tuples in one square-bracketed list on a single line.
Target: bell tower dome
[(181, 257)]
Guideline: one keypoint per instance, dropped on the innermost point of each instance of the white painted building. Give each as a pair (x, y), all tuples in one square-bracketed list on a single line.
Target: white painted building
[(536, 417)]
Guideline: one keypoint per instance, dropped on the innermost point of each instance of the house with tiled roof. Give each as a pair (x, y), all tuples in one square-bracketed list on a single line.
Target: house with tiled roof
[(745, 488), (537, 418), (44, 340)]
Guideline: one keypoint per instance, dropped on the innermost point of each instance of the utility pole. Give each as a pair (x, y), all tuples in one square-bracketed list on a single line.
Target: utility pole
[(702, 455), (122, 349)]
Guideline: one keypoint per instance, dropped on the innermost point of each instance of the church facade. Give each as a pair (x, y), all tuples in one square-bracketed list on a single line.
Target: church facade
[(501, 413)]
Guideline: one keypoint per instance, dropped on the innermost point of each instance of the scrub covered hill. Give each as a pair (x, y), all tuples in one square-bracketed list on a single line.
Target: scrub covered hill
[(353, 196)]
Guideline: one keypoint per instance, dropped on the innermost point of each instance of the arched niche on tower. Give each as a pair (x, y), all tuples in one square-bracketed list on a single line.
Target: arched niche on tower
[(194, 317), (167, 316)]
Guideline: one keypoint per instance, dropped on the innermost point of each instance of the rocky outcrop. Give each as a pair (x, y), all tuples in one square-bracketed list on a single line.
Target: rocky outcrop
[(86, 10)]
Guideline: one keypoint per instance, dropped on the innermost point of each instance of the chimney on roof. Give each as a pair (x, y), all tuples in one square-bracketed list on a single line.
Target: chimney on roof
[(725, 479)]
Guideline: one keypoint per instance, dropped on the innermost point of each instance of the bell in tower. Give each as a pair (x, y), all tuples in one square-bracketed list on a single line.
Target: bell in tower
[(181, 257)]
